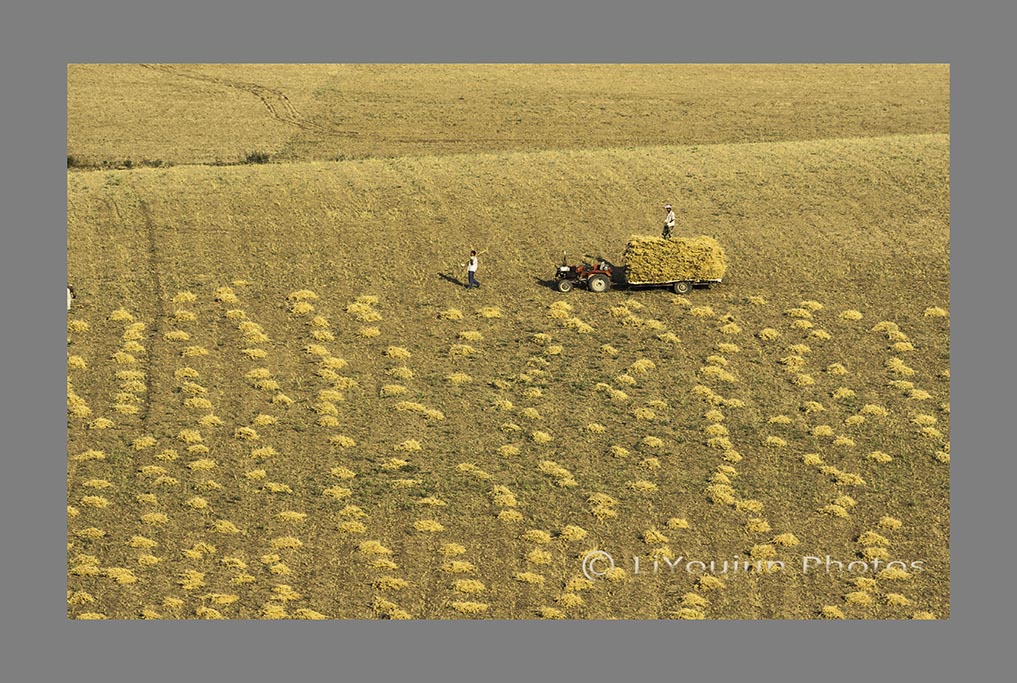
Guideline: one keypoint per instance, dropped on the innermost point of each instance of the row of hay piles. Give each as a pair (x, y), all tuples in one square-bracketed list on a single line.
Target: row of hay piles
[(654, 259)]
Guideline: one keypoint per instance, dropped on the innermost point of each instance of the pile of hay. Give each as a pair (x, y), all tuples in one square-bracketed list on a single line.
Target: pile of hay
[(654, 259)]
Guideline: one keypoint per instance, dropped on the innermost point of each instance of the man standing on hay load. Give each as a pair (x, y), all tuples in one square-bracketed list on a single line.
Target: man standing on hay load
[(668, 222)]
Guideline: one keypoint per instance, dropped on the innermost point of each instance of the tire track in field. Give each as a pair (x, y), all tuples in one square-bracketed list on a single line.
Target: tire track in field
[(278, 105), (152, 258)]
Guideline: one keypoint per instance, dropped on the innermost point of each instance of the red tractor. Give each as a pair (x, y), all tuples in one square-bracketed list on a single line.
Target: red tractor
[(596, 276)]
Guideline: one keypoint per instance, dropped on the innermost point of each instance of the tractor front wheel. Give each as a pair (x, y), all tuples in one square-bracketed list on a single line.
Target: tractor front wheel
[(598, 283), (564, 286)]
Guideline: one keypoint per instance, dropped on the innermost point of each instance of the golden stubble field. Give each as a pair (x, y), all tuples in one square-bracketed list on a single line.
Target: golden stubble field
[(280, 405), (203, 113)]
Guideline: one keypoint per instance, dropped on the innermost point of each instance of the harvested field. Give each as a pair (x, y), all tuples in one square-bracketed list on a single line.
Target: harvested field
[(283, 404)]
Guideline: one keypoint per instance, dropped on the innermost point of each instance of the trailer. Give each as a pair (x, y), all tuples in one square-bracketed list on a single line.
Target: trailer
[(678, 286)]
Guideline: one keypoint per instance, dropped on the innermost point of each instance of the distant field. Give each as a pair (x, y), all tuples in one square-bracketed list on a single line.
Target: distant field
[(188, 114), (282, 404)]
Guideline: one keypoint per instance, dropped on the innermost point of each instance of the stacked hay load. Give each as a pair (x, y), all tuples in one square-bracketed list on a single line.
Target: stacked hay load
[(654, 259)]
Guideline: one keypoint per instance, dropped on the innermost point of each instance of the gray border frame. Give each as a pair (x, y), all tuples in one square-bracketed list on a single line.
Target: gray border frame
[(38, 40)]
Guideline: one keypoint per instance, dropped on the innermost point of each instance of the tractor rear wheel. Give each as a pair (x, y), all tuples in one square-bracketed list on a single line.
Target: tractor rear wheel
[(682, 287), (564, 286), (598, 283)]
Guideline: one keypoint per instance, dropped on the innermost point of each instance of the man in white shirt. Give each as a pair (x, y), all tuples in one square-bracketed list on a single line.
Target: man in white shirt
[(70, 295), (471, 271), (668, 221)]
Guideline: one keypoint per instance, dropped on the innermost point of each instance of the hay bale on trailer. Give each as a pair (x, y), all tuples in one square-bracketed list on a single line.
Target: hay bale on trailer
[(654, 259)]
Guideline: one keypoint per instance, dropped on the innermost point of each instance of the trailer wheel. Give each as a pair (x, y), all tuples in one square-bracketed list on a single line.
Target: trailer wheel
[(682, 287), (564, 286), (598, 283)]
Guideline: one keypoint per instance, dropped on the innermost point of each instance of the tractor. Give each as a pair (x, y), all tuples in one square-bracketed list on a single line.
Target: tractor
[(596, 276)]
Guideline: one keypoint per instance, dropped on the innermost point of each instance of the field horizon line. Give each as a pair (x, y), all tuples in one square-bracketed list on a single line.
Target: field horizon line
[(145, 165)]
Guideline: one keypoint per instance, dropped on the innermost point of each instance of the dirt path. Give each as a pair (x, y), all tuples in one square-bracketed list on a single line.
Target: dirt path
[(278, 105)]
